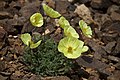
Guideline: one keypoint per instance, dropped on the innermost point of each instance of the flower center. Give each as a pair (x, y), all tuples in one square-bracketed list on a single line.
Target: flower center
[(70, 50)]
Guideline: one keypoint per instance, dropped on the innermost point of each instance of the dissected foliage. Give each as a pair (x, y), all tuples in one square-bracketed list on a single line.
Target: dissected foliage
[(46, 60)]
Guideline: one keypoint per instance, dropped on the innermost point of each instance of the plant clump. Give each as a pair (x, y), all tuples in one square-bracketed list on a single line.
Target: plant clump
[(46, 60), (43, 55)]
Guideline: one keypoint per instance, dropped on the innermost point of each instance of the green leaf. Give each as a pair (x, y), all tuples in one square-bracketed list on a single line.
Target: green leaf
[(26, 38), (63, 22), (34, 45), (36, 20), (70, 32), (50, 12), (71, 47), (85, 29)]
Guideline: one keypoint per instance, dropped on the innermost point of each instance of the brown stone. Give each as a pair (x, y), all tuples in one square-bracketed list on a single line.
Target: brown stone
[(113, 8), (4, 15), (35, 77), (2, 65), (64, 4), (2, 37), (3, 78), (100, 4), (56, 78), (115, 16), (84, 13), (116, 1), (115, 76)]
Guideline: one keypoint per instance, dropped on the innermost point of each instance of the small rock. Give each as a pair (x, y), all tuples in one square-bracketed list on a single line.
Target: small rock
[(115, 16), (56, 78), (117, 48), (117, 65), (3, 78), (113, 8), (16, 5), (61, 78), (35, 77), (18, 21), (27, 10), (84, 1), (28, 27), (113, 58), (16, 46), (2, 33), (102, 19), (96, 47), (4, 15), (16, 75), (2, 66), (114, 76), (27, 76), (93, 78), (71, 0), (3, 37), (11, 70), (2, 5), (97, 56), (47, 31), (94, 75), (80, 1), (50, 27), (74, 21), (106, 37), (5, 73), (89, 62), (114, 28), (51, 3), (99, 4), (3, 51), (6, 24), (116, 1), (58, 31), (57, 38), (82, 72), (109, 46), (62, 9), (84, 13), (111, 32)]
